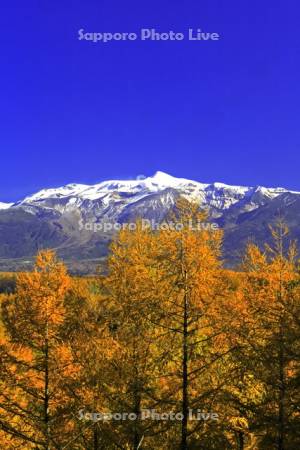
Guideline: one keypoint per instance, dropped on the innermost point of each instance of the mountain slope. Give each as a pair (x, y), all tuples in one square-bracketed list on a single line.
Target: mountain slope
[(71, 218)]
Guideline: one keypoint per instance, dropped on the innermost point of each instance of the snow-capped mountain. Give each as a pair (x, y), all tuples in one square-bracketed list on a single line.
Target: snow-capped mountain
[(119, 194), (58, 217)]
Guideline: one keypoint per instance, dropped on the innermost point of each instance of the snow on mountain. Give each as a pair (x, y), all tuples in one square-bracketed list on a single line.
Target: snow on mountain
[(5, 205), (70, 218), (112, 197), (65, 191)]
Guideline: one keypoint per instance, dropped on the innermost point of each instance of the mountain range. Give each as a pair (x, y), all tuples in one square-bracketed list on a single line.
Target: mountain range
[(66, 218)]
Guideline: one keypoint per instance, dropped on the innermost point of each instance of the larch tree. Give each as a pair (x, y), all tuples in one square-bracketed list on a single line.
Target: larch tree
[(34, 360), (194, 312), (131, 285), (87, 331), (270, 339)]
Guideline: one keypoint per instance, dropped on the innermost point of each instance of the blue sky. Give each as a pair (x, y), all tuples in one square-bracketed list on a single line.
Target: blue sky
[(75, 111)]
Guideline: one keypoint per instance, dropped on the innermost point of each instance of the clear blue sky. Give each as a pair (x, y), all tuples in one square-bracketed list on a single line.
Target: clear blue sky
[(75, 111)]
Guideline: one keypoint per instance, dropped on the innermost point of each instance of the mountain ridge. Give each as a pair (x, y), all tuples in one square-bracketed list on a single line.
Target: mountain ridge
[(69, 218), (158, 182)]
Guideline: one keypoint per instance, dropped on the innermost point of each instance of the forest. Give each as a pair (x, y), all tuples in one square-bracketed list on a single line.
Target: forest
[(164, 348)]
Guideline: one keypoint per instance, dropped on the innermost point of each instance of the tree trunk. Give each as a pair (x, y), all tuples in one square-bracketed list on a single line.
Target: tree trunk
[(241, 440), (281, 411), (46, 394), (185, 399), (136, 436), (96, 438)]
